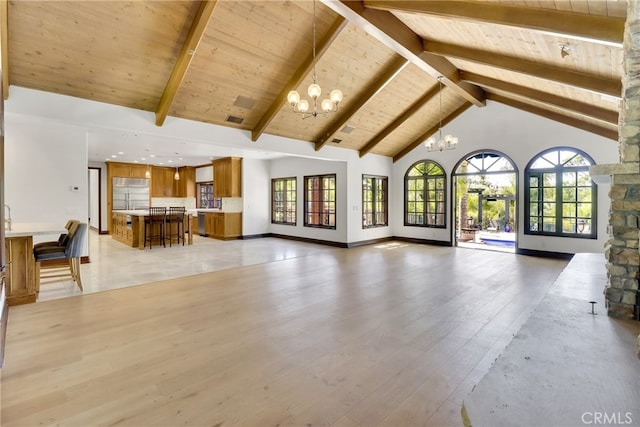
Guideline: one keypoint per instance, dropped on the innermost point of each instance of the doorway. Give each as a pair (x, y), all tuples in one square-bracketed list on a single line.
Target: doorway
[(485, 187), (95, 199)]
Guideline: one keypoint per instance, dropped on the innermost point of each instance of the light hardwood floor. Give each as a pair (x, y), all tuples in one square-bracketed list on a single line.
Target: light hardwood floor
[(384, 335)]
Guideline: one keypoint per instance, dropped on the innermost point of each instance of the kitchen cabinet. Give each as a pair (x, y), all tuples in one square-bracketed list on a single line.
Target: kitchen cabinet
[(162, 181), (223, 225), (123, 229), (126, 170), (186, 185), (227, 177), (20, 281)]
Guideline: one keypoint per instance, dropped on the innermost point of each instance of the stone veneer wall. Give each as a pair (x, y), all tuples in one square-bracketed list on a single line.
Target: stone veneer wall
[(622, 252)]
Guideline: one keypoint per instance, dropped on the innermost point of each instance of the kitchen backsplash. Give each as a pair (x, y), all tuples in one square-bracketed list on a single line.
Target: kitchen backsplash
[(232, 204), (187, 202)]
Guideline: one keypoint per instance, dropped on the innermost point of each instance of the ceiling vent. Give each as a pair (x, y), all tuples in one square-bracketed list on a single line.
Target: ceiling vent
[(336, 141), (348, 129), (234, 119), (244, 102)]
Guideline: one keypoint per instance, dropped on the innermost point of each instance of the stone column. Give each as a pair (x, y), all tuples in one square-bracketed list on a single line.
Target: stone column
[(622, 252)]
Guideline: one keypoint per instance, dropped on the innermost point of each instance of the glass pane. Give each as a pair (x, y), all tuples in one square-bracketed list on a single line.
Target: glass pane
[(534, 225), (551, 157), (577, 160), (584, 210), (541, 163), (533, 181), (549, 179), (549, 209), (568, 194), (569, 210), (568, 179), (533, 194), (568, 225), (549, 195), (584, 194), (533, 209), (584, 178), (548, 224)]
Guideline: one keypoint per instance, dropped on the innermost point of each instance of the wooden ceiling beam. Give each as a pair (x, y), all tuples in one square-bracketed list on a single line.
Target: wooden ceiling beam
[(189, 48), (399, 120), (4, 46), (303, 70), (611, 87), (560, 118), (381, 82), (594, 28), (394, 34), (590, 110), (418, 141)]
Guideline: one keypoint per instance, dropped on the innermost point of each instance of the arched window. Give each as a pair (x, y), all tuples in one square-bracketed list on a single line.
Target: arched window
[(424, 204), (560, 197)]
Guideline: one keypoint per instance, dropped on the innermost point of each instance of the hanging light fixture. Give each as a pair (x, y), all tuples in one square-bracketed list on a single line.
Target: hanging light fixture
[(449, 142), (176, 175), (314, 91), (147, 173)]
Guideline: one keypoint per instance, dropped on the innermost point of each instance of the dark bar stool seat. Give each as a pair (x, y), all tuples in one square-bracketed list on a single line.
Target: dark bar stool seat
[(175, 224), (154, 226)]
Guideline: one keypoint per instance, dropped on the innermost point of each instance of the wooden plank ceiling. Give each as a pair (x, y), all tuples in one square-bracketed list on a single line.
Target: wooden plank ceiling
[(209, 61)]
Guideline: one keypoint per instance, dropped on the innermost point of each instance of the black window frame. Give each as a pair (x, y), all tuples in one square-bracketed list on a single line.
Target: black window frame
[(285, 200), (379, 190), (432, 184), (562, 198), (329, 197)]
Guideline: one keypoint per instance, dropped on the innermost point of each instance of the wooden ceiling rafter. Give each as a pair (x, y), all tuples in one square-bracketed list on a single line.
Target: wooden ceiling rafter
[(393, 33), (589, 110), (4, 46), (189, 49), (419, 140), (611, 87), (557, 117), (594, 28), (408, 113), (298, 76), (386, 77)]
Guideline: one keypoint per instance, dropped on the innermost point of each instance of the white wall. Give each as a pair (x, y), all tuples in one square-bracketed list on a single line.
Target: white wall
[(256, 190), (520, 136), (44, 160)]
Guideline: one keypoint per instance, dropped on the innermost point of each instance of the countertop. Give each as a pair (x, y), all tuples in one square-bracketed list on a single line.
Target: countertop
[(144, 212), (24, 229)]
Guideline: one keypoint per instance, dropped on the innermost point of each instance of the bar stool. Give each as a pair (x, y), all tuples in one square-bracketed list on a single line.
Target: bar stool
[(154, 225), (175, 221), (71, 252)]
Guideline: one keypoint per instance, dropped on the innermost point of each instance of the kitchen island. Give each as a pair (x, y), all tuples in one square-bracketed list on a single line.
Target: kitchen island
[(20, 280), (128, 227)]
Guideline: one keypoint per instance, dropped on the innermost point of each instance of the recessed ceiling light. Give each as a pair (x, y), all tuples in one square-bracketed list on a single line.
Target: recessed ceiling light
[(120, 152), (114, 156), (152, 155), (143, 158), (135, 161), (170, 161)]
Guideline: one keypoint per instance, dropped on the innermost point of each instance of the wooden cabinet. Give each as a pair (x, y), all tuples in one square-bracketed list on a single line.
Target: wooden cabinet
[(162, 181), (227, 177), (126, 170), (186, 185), (20, 281), (223, 225), (124, 229)]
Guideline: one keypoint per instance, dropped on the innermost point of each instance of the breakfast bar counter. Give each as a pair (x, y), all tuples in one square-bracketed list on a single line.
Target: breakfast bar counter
[(128, 227), (20, 281)]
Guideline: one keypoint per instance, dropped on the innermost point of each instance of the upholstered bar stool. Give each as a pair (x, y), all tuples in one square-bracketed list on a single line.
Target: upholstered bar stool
[(71, 252), (175, 224), (154, 226)]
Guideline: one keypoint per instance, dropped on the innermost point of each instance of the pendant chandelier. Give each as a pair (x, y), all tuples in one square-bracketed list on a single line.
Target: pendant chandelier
[(449, 142), (311, 108)]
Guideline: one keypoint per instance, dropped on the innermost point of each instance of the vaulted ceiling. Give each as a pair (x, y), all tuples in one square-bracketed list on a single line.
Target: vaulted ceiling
[(232, 63)]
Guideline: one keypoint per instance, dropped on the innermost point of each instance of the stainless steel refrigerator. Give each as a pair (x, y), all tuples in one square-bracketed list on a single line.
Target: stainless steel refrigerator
[(130, 193)]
